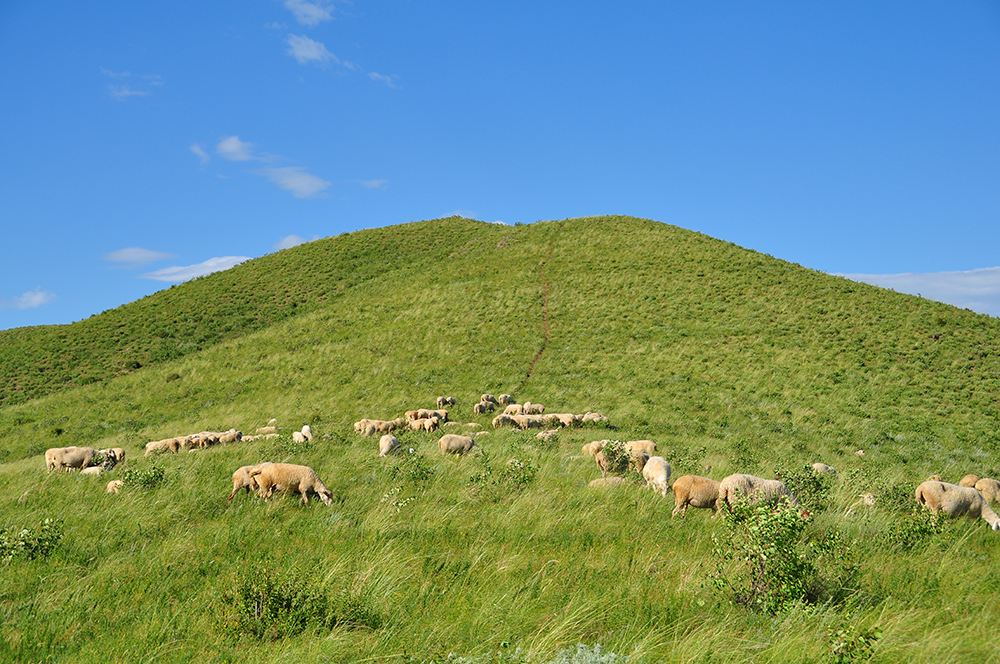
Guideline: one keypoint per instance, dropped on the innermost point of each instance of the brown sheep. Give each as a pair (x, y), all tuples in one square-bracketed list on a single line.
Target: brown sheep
[(969, 480), (243, 480), (956, 501), (290, 477), (452, 443), (695, 491)]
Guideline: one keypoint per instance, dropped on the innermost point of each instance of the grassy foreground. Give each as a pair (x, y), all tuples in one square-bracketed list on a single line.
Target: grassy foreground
[(724, 357)]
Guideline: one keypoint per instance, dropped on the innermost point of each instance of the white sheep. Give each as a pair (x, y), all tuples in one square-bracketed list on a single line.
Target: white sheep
[(446, 401), (504, 399), (696, 491), (513, 409), (93, 470), (591, 449), (636, 446), (989, 489), (533, 408), (68, 458), (529, 421), (502, 419), (452, 443), (114, 486), (307, 432), (270, 428), (656, 472), (823, 468), (243, 480), (955, 501), (758, 490), (387, 445), (290, 477), (969, 480), (490, 398), (298, 437)]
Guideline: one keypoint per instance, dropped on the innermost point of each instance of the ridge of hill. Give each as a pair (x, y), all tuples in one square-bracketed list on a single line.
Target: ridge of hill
[(186, 318), (732, 361)]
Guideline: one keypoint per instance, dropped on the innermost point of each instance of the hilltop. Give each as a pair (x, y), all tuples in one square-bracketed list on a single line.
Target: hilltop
[(728, 358)]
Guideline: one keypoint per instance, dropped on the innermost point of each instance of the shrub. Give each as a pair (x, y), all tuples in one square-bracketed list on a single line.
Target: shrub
[(513, 477), (412, 467), (150, 478), (272, 605), (850, 645), (906, 533), (812, 489), (30, 543), (616, 457)]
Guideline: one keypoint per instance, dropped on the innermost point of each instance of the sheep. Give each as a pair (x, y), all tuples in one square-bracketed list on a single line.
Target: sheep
[(758, 490), (638, 461), (591, 449), (410, 415), (656, 472), (268, 429), (935, 478), (271, 422), (452, 443), (955, 501), (307, 432), (481, 408), (823, 468), (490, 398), (501, 420), (603, 482), (431, 424), (92, 470), (514, 409), (387, 445), (114, 486), (445, 401), (969, 480), (487, 406), (564, 419), (231, 436), (298, 437), (270, 436), (533, 408), (635, 446), (504, 399), (548, 435), (112, 457), (695, 491), (290, 477), (243, 480), (529, 421), (69, 458), (593, 417), (417, 425), (989, 489), (165, 445)]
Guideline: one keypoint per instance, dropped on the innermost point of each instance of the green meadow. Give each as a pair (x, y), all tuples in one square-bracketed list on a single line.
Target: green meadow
[(730, 360)]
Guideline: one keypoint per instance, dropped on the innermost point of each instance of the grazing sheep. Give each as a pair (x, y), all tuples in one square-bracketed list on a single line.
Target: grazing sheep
[(514, 409), (639, 460), (387, 445), (231, 436), (92, 470), (69, 458), (968, 480), (290, 477), (935, 478), (445, 401), (269, 429), (656, 472), (410, 415), (591, 449), (504, 399), (243, 480), (635, 446), (481, 408), (298, 437), (696, 491), (758, 490), (564, 419), (417, 425), (114, 486), (431, 424), (823, 468), (452, 443), (604, 482), (490, 398), (989, 489), (593, 417), (548, 435), (502, 419), (533, 408), (955, 501), (112, 455), (165, 445), (529, 421), (307, 432)]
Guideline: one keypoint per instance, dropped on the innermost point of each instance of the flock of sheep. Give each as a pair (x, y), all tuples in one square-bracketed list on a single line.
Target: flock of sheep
[(972, 496)]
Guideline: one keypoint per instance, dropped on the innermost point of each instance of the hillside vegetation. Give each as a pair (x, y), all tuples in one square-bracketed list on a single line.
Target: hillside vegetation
[(727, 358)]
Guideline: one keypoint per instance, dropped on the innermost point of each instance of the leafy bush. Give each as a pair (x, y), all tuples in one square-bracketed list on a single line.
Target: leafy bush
[(268, 604), (150, 478), (514, 476), (412, 467), (616, 457), (812, 489), (906, 533), (850, 645), (28, 543)]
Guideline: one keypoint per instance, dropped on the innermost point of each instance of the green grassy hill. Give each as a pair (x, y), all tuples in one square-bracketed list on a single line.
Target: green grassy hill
[(724, 357)]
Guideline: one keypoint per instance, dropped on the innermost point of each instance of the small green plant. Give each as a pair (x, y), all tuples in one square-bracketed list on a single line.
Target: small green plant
[(411, 467), (392, 497), (811, 488), (269, 605), (30, 543), (514, 476), (685, 460), (616, 457), (850, 645), (908, 532), (148, 478)]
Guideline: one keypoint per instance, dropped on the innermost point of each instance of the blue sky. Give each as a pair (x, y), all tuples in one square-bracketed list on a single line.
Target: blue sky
[(145, 143)]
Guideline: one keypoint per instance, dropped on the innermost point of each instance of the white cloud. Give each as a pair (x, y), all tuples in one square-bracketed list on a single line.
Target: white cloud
[(978, 290), (274, 25), (200, 153), (30, 300), (124, 91), (179, 273), (306, 50), (310, 13), (233, 149), (136, 256), (296, 180), (371, 184), (388, 80), (289, 241)]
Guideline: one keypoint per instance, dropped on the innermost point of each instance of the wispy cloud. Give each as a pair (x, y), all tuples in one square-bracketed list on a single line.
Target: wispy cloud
[(136, 256), (200, 153), (310, 13), (296, 180), (123, 91), (371, 184), (233, 149), (388, 80), (306, 50), (274, 25), (30, 300), (290, 241), (978, 290), (179, 273)]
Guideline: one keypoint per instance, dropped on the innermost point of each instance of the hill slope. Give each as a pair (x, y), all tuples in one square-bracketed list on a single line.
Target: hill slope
[(723, 356)]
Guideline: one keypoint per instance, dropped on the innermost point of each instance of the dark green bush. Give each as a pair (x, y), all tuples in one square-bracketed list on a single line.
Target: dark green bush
[(30, 543), (149, 478)]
